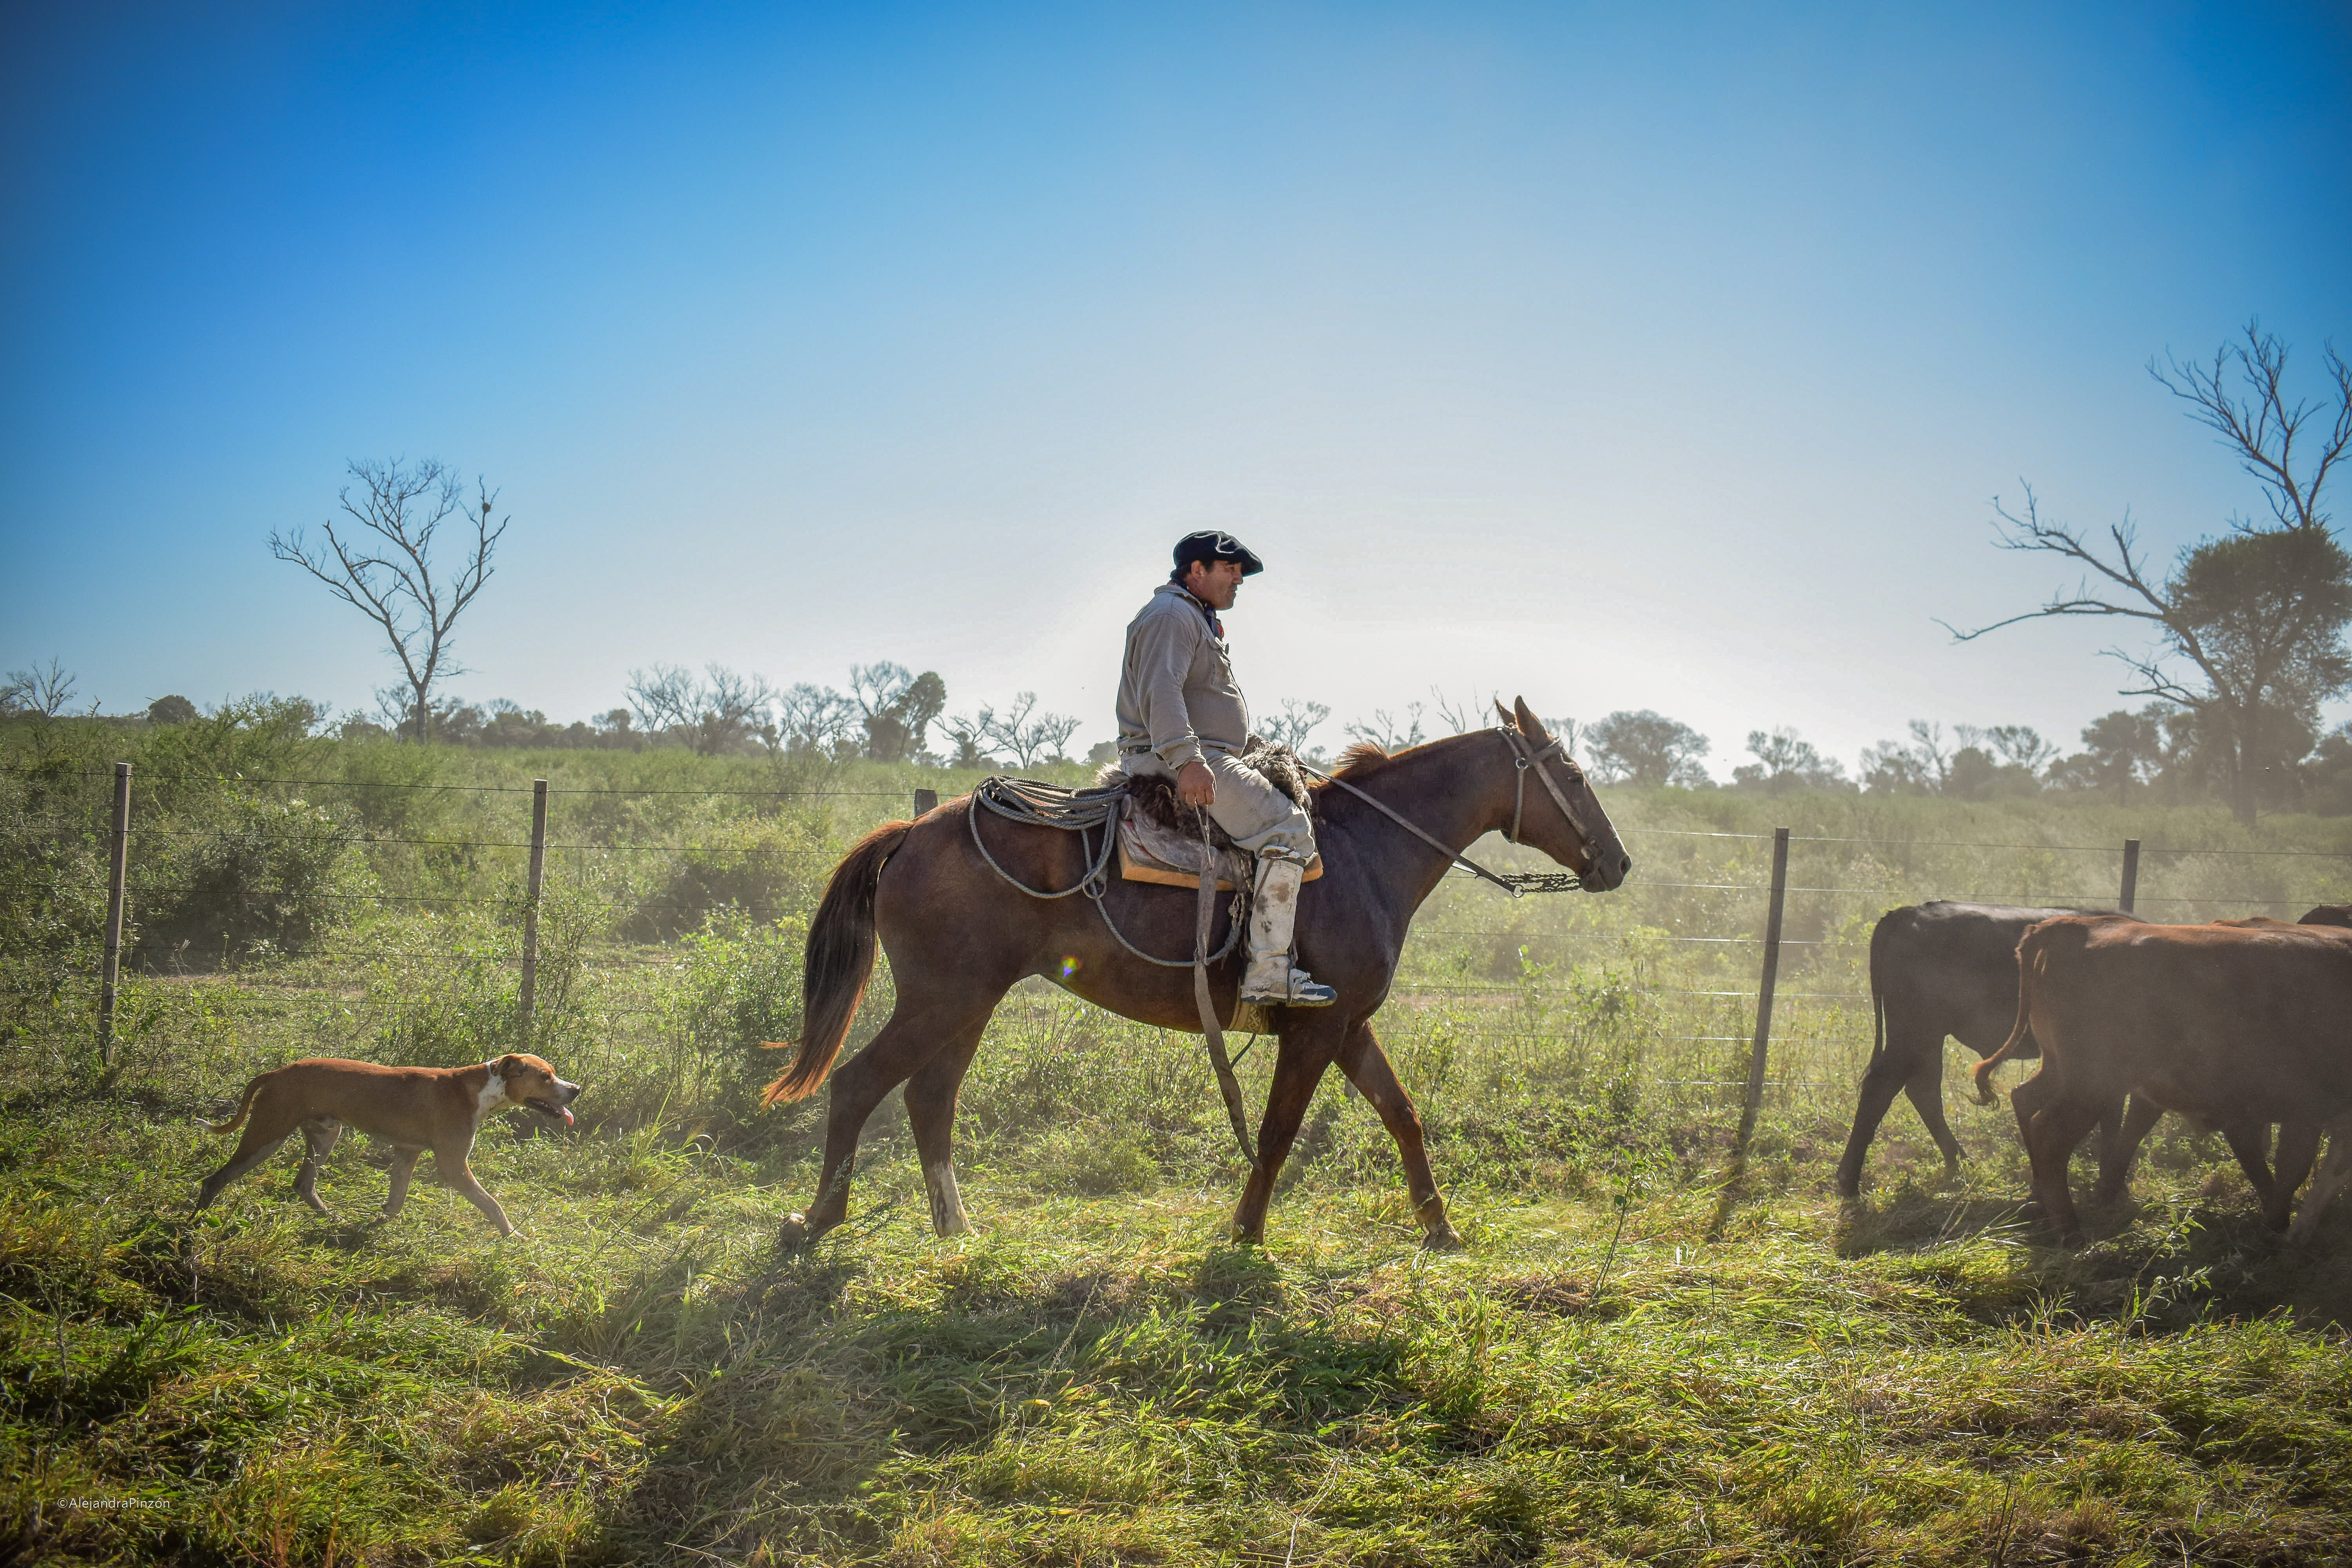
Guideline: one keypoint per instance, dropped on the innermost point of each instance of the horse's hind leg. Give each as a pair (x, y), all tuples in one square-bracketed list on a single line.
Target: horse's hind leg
[(918, 1030), (931, 1111), (1368, 1067)]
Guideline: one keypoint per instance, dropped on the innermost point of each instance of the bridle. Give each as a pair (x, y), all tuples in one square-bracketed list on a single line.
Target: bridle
[(1525, 758)]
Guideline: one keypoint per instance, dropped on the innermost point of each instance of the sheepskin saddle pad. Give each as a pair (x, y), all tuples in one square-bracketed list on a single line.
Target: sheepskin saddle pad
[(1160, 836)]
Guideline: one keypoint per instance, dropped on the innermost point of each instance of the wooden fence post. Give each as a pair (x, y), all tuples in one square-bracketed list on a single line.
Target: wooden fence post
[(1757, 1053), (925, 801), (2131, 875), (530, 907), (110, 965)]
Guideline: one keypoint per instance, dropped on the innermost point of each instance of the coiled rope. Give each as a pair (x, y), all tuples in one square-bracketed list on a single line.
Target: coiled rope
[(1032, 802)]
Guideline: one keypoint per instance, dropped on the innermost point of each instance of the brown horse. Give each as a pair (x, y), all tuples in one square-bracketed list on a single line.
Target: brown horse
[(959, 937)]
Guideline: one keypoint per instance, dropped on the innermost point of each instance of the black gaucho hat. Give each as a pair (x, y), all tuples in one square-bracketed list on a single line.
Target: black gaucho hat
[(1214, 545)]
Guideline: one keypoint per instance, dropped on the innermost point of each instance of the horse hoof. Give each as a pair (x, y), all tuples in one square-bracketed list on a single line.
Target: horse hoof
[(1443, 1239), (793, 1235)]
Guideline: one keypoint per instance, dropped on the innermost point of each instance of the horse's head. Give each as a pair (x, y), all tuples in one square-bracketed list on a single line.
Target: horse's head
[(1561, 815)]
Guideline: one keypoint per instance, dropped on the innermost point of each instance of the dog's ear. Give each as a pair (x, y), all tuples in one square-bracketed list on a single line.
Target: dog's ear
[(505, 1065)]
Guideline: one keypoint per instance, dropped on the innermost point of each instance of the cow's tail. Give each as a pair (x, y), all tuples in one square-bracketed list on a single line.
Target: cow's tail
[(1877, 992), (839, 961), (243, 1106), (2029, 964)]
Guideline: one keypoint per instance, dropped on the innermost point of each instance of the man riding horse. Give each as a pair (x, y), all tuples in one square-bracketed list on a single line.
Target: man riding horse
[(1180, 714)]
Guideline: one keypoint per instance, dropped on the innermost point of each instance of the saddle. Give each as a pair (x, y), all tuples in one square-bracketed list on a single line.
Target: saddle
[(1160, 836)]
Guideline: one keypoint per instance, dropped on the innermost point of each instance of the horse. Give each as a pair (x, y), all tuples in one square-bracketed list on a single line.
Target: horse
[(958, 937)]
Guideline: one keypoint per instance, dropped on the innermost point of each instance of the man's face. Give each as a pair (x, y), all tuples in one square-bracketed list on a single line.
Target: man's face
[(1214, 582)]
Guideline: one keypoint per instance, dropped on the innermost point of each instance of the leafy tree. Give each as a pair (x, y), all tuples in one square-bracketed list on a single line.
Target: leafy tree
[(1644, 747), (2248, 626), (899, 707), (172, 710), (385, 569), (2123, 748), (1785, 761)]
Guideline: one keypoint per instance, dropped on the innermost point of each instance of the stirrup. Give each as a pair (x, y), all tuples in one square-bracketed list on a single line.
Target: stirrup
[(1292, 988)]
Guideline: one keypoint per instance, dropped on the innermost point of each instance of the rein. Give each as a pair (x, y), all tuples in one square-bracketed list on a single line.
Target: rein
[(1516, 882)]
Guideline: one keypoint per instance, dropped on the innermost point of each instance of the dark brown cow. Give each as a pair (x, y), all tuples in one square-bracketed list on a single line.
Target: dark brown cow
[(1936, 969), (2237, 1025)]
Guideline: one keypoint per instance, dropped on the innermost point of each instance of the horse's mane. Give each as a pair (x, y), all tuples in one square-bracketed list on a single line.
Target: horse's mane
[(1363, 757)]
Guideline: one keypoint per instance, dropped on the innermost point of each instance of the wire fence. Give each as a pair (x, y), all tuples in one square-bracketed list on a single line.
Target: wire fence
[(1756, 917)]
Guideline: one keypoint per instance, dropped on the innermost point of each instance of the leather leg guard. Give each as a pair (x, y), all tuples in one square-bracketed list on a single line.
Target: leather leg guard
[(1274, 913)]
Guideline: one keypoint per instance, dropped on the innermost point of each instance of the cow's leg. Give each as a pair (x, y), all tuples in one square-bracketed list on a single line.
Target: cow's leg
[(2249, 1141), (2057, 1128), (2298, 1146), (1899, 1066), (919, 1027), (2116, 1158), (1307, 1046), (1925, 1092), (930, 1112), (2334, 1176), (318, 1141), (1368, 1067)]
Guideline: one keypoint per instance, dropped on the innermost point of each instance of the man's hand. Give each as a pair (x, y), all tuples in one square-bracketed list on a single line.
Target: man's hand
[(1196, 785)]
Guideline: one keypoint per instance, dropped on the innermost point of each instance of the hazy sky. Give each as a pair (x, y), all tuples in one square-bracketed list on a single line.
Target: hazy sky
[(1623, 356)]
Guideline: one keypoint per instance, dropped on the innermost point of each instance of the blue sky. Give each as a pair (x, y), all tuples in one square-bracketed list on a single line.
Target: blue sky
[(1627, 357)]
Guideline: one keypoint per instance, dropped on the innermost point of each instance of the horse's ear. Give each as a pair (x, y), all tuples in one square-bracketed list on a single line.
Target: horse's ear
[(1529, 725), (1505, 712)]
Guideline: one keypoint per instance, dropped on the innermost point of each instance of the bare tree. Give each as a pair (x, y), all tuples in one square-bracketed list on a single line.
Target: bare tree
[(2261, 428), (1028, 736), (710, 715), (1297, 721), (40, 691), (2019, 745), (1385, 730), (2259, 614), (384, 568), (815, 720)]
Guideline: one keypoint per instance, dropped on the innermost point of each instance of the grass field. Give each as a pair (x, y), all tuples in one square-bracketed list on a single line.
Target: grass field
[(1630, 1364)]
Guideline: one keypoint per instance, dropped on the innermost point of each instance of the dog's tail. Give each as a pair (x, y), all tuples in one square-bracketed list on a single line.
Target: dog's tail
[(243, 1106), (839, 959)]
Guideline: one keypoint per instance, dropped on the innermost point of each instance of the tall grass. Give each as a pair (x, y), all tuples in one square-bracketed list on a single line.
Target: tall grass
[(1623, 1368)]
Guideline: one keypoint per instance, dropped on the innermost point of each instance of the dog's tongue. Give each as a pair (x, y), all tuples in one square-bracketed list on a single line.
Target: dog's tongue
[(567, 1114)]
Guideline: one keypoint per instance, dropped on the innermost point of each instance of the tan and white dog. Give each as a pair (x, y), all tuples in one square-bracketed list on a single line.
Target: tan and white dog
[(413, 1108)]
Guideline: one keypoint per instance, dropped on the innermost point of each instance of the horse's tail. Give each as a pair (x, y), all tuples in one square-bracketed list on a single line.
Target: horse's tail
[(839, 959), (2029, 963), (243, 1106)]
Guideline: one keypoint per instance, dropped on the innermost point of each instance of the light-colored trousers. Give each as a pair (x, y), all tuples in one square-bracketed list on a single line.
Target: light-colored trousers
[(1256, 815)]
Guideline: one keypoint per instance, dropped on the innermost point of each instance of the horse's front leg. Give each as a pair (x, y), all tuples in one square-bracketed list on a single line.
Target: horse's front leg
[(1367, 1067), (1306, 1049)]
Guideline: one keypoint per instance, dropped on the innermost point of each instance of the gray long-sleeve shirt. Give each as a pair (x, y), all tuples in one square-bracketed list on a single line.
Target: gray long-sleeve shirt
[(1176, 691)]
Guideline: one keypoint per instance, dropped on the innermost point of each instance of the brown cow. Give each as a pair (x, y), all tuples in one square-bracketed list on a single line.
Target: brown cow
[(2239, 1025)]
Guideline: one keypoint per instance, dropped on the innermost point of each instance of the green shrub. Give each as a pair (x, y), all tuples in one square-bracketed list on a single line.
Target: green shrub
[(247, 877)]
